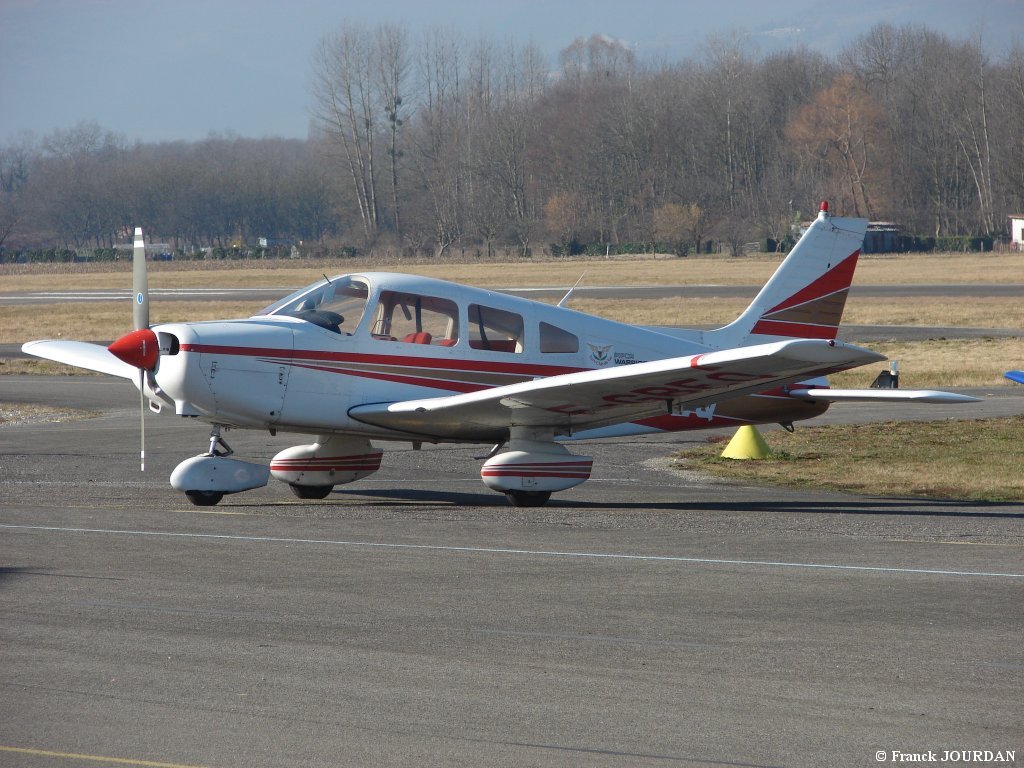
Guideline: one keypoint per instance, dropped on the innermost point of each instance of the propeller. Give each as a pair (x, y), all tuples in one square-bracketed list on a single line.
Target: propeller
[(140, 348)]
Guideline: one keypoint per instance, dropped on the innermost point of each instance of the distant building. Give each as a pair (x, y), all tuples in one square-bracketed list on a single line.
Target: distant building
[(1017, 231), (882, 237), (154, 251), (275, 242)]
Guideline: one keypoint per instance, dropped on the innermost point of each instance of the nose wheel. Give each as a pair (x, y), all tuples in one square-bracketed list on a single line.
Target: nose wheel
[(218, 447), (204, 498), (207, 478)]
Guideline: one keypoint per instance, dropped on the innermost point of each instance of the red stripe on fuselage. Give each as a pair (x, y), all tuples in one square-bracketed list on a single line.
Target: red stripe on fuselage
[(417, 381), (526, 369)]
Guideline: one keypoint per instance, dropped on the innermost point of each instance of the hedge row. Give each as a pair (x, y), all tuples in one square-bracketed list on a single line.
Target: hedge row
[(901, 243), (67, 255)]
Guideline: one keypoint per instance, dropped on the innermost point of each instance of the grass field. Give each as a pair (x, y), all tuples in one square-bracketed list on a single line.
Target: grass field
[(887, 269), (962, 459)]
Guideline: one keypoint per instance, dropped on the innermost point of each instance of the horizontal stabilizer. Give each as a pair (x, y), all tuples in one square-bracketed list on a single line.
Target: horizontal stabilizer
[(81, 354), (884, 396), (1017, 376)]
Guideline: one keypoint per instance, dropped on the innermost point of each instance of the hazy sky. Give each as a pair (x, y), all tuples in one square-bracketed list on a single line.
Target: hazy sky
[(163, 70)]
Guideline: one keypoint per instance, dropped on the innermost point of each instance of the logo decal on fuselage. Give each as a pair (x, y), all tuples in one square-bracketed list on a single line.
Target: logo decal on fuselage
[(601, 355)]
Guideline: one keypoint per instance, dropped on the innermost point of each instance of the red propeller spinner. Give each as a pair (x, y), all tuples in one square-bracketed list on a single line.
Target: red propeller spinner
[(139, 348)]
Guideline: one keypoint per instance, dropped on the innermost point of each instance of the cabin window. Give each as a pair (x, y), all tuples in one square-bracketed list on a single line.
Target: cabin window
[(495, 329), (416, 319), (554, 339)]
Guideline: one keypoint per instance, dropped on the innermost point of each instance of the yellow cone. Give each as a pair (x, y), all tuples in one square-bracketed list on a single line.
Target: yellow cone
[(747, 443)]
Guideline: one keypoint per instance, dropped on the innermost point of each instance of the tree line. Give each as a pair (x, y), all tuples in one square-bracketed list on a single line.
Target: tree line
[(430, 142)]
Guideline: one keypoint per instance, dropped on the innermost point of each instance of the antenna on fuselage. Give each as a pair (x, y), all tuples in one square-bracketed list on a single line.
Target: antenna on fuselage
[(567, 295)]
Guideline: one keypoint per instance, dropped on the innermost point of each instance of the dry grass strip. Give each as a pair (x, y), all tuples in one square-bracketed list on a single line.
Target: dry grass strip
[(961, 459)]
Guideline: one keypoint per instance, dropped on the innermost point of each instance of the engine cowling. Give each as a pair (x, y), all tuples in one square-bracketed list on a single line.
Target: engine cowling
[(329, 461)]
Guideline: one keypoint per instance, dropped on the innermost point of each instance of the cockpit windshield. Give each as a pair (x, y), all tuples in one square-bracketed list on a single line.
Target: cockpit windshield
[(328, 303)]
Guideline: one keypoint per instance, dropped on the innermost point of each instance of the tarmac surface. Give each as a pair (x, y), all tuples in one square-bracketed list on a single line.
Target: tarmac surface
[(649, 617)]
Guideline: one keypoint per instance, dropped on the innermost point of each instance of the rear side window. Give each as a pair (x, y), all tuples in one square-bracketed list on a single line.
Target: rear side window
[(554, 339), (495, 329)]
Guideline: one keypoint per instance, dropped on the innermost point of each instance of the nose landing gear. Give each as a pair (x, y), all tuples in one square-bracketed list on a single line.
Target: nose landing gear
[(205, 479)]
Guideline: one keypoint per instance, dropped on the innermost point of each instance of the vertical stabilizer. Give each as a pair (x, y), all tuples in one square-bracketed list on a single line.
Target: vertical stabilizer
[(806, 296)]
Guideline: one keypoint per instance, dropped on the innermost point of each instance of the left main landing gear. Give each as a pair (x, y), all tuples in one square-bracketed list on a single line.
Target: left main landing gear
[(204, 498), (533, 467), (528, 498), (311, 491), (312, 471)]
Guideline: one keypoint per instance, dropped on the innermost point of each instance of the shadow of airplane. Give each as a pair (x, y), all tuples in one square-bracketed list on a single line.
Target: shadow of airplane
[(845, 506)]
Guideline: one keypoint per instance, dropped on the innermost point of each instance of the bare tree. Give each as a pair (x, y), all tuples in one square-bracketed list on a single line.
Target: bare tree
[(969, 110), (393, 66), (1010, 125), (439, 138), (15, 161), (844, 131), (347, 103)]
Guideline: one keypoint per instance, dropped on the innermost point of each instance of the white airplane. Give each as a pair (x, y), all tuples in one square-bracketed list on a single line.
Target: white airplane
[(394, 357)]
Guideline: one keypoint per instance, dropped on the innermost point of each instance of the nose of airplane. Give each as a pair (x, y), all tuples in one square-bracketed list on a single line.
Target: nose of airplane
[(139, 348)]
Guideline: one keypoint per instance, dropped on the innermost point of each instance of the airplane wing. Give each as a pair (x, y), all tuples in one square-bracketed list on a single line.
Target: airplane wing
[(932, 396), (595, 398), (81, 354), (1017, 376)]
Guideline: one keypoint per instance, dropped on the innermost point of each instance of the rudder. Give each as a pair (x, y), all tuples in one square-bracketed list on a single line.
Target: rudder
[(806, 296)]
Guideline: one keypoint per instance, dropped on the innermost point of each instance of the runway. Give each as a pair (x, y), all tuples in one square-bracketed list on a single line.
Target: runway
[(266, 296), (650, 617)]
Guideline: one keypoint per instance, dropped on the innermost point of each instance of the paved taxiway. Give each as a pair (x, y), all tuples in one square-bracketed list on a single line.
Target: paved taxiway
[(649, 618)]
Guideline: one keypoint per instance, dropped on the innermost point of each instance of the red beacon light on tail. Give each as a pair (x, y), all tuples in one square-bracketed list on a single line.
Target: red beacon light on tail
[(823, 211)]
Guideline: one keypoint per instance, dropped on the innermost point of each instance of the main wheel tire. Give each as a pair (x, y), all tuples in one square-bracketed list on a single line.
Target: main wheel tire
[(204, 498), (528, 498), (311, 491)]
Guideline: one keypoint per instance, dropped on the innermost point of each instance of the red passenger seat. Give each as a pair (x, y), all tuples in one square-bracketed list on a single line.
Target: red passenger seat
[(421, 337)]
